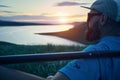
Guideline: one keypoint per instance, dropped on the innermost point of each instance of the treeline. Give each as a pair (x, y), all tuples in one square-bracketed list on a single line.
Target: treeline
[(13, 23)]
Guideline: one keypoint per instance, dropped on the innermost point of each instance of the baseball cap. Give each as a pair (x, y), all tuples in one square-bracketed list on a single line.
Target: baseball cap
[(110, 8)]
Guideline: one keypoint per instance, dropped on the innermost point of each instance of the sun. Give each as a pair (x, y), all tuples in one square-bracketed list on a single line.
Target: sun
[(62, 17), (63, 20)]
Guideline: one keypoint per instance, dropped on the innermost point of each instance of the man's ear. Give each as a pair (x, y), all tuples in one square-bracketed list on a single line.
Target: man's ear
[(103, 20)]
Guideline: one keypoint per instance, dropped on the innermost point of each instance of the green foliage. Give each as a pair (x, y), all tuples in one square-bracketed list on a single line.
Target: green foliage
[(42, 68)]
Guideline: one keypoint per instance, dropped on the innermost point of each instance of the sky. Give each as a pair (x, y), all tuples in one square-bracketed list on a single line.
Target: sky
[(44, 11)]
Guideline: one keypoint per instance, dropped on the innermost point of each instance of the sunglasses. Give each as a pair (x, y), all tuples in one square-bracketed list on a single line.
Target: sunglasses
[(90, 15)]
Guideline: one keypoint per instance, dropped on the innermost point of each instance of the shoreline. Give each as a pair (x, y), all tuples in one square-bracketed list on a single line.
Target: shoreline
[(76, 34)]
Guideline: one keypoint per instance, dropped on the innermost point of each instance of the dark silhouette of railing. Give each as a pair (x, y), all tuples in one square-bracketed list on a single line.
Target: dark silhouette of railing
[(12, 59)]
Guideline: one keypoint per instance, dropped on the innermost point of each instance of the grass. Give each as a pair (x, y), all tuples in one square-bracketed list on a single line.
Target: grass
[(43, 69)]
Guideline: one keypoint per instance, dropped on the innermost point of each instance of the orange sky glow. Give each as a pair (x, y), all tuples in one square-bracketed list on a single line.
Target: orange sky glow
[(57, 11)]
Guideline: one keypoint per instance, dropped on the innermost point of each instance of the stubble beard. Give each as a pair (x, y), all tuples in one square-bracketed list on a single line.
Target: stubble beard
[(93, 34)]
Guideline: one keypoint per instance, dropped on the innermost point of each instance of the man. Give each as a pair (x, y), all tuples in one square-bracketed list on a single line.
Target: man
[(103, 29)]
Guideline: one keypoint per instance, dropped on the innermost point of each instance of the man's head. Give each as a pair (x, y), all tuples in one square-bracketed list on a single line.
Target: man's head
[(102, 14)]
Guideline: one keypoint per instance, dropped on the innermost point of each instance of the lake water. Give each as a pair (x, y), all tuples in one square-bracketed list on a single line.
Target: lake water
[(25, 35)]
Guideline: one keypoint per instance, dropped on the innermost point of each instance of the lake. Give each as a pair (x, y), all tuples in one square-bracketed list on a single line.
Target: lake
[(25, 35)]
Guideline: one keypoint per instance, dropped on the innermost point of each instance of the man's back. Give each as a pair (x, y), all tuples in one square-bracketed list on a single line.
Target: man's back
[(96, 69), (110, 66)]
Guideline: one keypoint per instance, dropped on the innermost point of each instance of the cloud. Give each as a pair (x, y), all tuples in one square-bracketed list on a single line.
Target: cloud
[(8, 12), (24, 17), (4, 6), (68, 3), (47, 14), (76, 16)]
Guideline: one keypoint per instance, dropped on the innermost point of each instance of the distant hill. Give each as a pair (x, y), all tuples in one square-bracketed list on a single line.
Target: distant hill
[(13, 23)]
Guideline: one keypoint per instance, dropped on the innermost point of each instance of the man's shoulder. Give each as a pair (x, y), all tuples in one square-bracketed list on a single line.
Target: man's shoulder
[(105, 44), (97, 47)]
